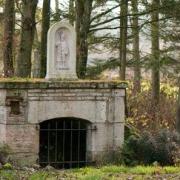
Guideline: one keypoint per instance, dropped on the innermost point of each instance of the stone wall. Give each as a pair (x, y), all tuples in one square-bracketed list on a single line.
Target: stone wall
[(23, 105)]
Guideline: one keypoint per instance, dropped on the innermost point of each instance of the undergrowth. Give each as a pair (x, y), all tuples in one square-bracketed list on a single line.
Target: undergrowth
[(92, 173), (143, 115)]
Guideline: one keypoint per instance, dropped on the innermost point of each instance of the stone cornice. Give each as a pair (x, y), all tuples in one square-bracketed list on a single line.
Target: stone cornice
[(61, 84)]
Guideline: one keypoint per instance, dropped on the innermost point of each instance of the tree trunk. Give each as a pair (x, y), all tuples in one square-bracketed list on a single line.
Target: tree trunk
[(36, 63), (45, 28), (27, 37), (178, 111), (9, 19), (71, 12), (155, 52), (57, 15), (36, 71), (83, 15), (136, 54), (123, 38), (57, 5)]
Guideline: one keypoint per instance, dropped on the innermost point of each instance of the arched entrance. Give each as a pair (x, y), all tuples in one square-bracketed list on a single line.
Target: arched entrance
[(63, 143)]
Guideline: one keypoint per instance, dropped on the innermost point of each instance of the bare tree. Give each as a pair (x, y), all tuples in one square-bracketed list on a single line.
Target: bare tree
[(83, 17), (45, 28), (155, 51), (8, 38), (71, 12), (23, 68), (136, 53), (123, 37)]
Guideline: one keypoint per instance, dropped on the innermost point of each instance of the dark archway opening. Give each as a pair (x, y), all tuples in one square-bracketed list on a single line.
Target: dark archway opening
[(63, 143)]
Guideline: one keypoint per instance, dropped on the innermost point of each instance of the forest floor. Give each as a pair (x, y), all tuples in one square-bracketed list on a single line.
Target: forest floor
[(92, 173)]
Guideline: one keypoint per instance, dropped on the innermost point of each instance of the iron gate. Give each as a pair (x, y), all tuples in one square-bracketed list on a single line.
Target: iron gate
[(63, 143)]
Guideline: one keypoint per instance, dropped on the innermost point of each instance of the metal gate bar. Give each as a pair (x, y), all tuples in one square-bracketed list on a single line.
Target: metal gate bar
[(72, 147)]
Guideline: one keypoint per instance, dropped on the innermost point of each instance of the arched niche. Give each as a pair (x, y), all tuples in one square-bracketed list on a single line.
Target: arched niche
[(61, 52)]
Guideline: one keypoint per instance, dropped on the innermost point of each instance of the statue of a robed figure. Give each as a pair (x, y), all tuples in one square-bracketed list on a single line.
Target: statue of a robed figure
[(61, 52)]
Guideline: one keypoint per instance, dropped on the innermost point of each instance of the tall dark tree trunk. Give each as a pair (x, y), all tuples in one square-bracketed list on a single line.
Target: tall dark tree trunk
[(45, 28), (9, 18), (36, 63), (155, 51), (27, 36), (71, 12), (123, 38), (58, 13), (136, 53), (57, 5), (83, 15)]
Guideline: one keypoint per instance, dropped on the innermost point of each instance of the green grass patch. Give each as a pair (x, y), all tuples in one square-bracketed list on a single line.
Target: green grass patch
[(110, 172), (8, 174), (114, 169), (39, 176), (171, 170), (148, 170), (113, 172)]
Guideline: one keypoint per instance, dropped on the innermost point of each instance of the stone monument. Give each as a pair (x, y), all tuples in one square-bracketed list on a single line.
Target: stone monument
[(59, 122), (61, 52)]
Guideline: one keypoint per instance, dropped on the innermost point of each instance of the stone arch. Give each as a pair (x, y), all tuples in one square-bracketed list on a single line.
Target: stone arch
[(64, 142), (67, 117)]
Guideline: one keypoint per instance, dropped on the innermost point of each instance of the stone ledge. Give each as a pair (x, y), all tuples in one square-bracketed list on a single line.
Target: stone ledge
[(61, 84)]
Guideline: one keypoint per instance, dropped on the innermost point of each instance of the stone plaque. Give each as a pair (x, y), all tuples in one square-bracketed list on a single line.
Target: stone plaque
[(61, 52)]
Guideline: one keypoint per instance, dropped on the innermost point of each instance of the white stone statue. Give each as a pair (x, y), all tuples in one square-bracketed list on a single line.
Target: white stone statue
[(62, 51)]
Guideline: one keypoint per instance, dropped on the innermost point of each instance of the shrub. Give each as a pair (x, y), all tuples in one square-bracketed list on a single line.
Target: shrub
[(4, 153), (128, 154), (162, 146), (8, 166), (168, 147), (143, 115)]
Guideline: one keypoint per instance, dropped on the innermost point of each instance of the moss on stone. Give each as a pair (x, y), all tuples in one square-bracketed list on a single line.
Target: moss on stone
[(28, 83)]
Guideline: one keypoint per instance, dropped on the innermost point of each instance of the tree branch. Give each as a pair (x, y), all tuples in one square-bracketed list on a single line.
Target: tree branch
[(104, 13)]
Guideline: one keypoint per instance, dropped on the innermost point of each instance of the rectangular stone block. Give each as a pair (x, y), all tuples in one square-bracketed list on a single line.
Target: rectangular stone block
[(119, 109), (118, 135), (94, 111), (34, 91), (99, 137), (3, 114), (23, 138), (34, 98), (2, 133), (2, 97), (119, 92)]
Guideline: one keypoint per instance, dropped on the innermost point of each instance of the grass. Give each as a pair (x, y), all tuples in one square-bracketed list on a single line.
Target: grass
[(96, 173)]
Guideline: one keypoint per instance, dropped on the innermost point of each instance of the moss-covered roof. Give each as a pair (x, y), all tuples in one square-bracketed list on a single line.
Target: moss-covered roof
[(20, 83)]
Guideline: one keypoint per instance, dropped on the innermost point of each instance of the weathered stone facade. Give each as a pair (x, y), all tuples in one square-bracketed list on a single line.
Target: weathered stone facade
[(24, 105)]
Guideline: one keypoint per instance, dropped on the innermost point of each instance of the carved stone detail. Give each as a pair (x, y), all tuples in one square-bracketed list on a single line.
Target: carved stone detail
[(62, 50), (61, 56)]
